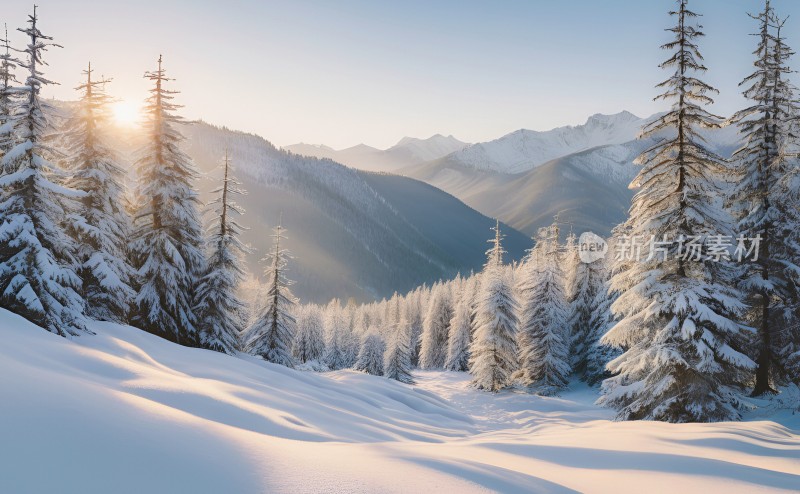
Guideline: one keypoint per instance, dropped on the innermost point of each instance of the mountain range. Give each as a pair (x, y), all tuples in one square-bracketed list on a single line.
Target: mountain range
[(358, 231), (409, 151), (352, 233)]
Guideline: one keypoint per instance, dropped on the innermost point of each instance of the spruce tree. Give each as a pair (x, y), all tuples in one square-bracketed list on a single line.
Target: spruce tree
[(458, 338), (678, 311), (272, 334), (99, 223), (433, 349), (493, 350), (167, 240), (8, 65), (760, 199), (370, 357), (37, 280), (219, 309), (397, 360), (601, 321), (543, 337), (583, 281), (336, 332), (309, 340)]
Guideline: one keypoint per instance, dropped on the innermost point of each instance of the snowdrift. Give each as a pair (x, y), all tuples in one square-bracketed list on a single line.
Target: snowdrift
[(128, 412)]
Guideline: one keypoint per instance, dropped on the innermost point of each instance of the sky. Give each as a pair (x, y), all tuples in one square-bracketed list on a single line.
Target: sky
[(368, 71)]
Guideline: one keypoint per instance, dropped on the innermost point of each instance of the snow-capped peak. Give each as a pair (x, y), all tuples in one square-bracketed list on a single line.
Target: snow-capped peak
[(431, 148), (525, 149)]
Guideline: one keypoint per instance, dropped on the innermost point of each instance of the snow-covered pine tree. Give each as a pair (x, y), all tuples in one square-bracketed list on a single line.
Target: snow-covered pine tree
[(760, 200), (397, 360), (414, 305), (309, 340), (272, 334), (543, 336), (583, 281), (370, 357), (433, 350), (336, 329), (493, 350), (600, 322), (37, 280), (218, 307), (458, 338), (678, 316), (8, 65), (167, 239), (98, 223)]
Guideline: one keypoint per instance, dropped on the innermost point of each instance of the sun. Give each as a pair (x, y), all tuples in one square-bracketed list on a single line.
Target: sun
[(126, 114)]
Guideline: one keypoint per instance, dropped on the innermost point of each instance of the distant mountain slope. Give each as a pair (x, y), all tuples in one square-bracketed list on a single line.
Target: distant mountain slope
[(524, 150), (589, 187), (408, 151), (354, 234)]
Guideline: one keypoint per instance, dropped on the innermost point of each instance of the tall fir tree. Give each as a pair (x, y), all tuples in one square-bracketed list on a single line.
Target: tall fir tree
[(370, 357), (601, 321), (397, 359), (309, 340), (272, 334), (433, 349), (37, 279), (493, 350), (458, 338), (218, 306), (678, 311), (760, 200), (544, 333), (583, 281), (98, 223), (167, 238), (8, 66), (336, 330)]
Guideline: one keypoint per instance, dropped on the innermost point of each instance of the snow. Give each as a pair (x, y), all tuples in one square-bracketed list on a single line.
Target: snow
[(525, 149), (125, 411)]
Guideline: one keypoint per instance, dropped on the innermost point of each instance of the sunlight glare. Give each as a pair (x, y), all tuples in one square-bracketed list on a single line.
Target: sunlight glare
[(126, 114)]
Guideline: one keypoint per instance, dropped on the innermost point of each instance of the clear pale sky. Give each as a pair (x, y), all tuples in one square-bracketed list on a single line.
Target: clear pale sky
[(349, 71)]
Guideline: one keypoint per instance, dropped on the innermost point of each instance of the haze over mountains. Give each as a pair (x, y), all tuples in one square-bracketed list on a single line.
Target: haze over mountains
[(526, 177), (353, 233), (409, 151), (357, 233)]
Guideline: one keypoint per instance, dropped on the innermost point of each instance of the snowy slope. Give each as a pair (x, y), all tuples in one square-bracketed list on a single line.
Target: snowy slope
[(127, 412), (409, 151)]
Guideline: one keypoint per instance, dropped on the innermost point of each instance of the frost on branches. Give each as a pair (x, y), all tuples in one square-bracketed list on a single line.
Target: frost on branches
[(167, 247), (433, 350), (458, 339), (397, 360), (544, 329), (37, 280), (764, 206), (678, 313), (309, 339), (272, 334), (98, 223), (493, 353), (219, 309), (370, 358)]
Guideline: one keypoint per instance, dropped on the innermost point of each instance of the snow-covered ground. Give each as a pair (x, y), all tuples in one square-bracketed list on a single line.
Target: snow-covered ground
[(125, 411)]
